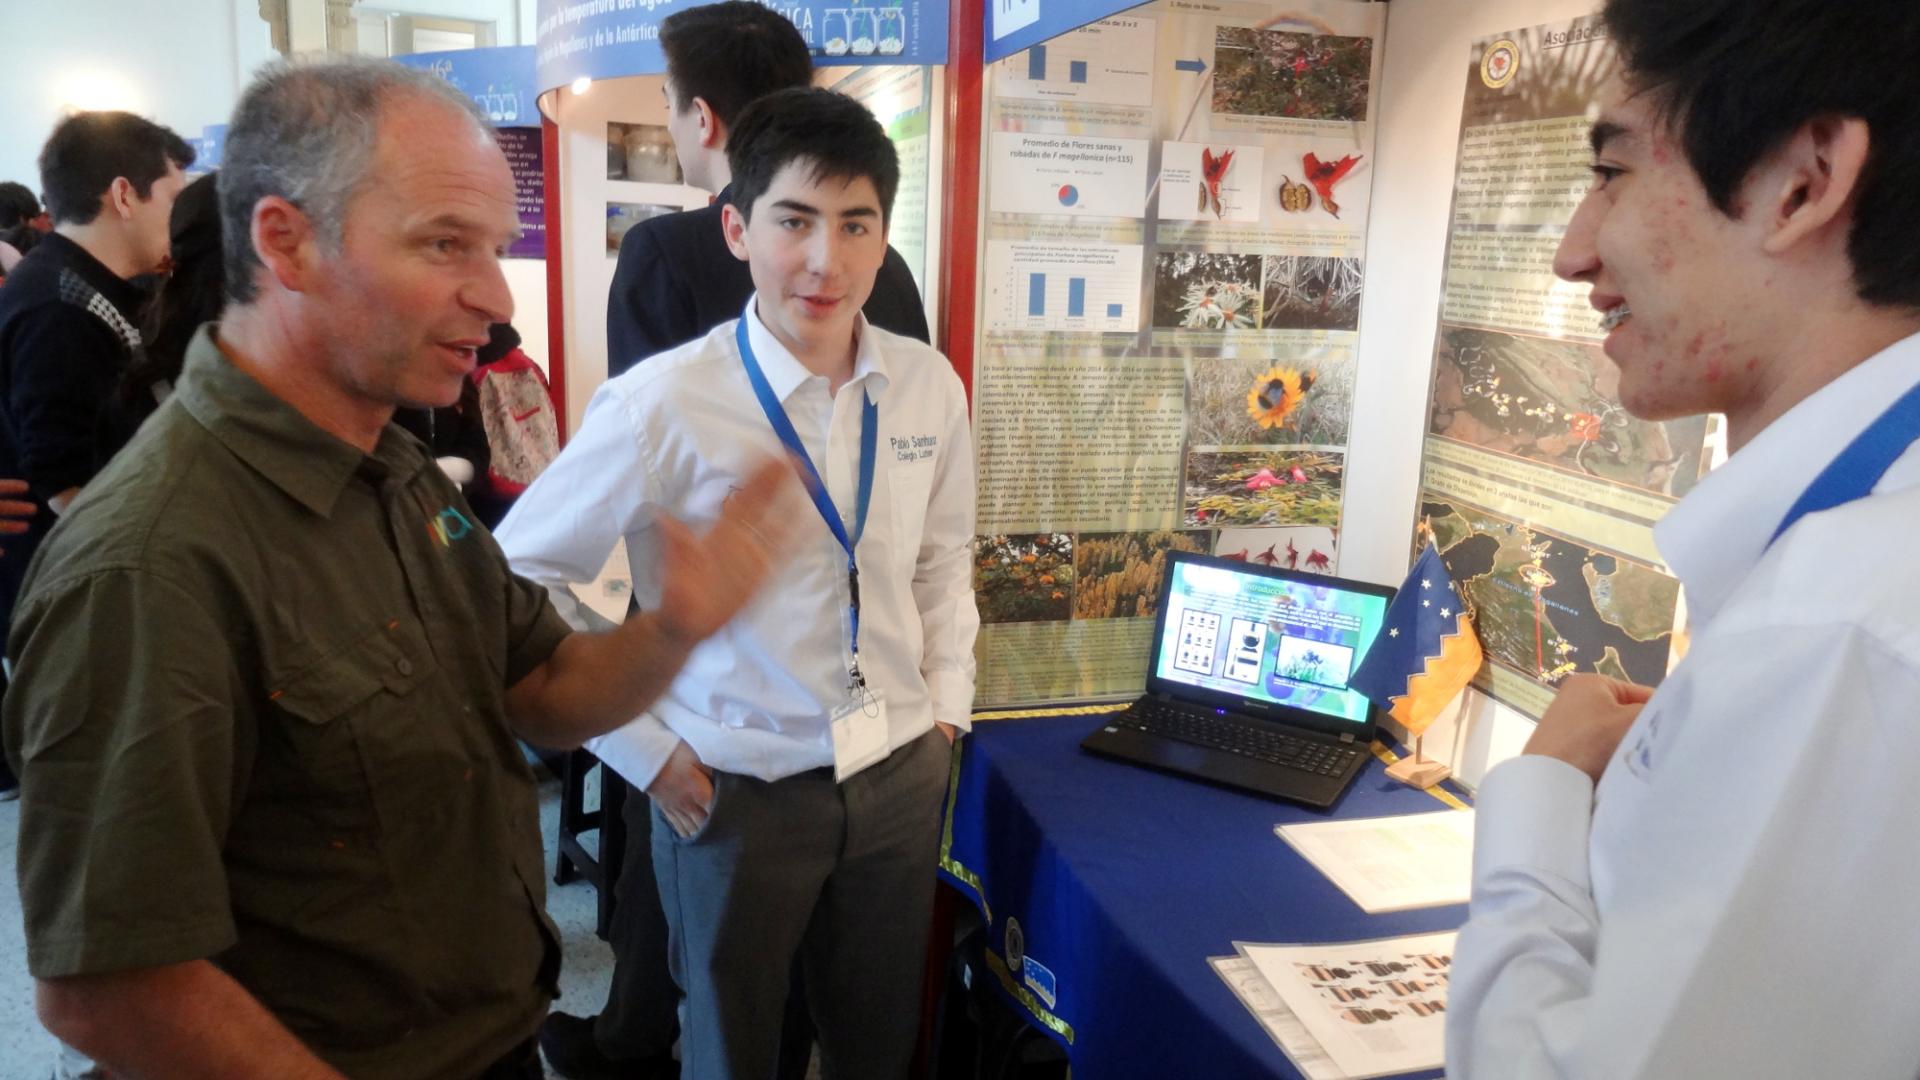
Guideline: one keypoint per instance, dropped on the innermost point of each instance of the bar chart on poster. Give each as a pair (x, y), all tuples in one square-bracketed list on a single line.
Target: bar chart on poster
[(1034, 286), (1109, 61)]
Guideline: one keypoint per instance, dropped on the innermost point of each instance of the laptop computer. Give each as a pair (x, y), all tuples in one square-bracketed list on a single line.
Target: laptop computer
[(1247, 680)]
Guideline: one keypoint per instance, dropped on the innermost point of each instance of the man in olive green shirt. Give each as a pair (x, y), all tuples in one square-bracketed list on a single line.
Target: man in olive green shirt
[(268, 670)]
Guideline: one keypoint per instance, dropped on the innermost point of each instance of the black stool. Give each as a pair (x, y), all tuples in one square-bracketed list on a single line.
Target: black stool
[(573, 862)]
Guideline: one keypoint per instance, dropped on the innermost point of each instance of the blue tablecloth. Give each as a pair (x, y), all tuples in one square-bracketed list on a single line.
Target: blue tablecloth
[(1123, 881)]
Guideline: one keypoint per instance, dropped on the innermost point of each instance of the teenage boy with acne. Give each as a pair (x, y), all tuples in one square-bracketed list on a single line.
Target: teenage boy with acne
[(801, 757), (1716, 879)]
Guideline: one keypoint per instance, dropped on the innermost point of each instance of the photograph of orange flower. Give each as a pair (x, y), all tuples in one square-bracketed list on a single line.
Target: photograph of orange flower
[(1024, 577), (1303, 399)]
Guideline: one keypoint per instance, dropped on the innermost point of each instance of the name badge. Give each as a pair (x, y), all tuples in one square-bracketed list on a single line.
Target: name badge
[(859, 735)]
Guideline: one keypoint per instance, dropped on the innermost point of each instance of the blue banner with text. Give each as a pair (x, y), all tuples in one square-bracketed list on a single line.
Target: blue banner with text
[(606, 39), (499, 80)]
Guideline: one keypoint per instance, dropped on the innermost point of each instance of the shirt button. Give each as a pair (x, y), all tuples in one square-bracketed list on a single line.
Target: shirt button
[(404, 665)]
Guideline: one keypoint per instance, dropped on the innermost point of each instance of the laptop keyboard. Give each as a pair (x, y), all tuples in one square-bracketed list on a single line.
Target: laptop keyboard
[(1235, 737)]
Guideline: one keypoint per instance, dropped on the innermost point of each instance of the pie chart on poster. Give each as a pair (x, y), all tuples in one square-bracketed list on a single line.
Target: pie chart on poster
[(1069, 195)]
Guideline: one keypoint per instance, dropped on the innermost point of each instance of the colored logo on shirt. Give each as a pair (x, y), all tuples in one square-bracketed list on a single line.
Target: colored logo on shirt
[(448, 525), (1638, 754)]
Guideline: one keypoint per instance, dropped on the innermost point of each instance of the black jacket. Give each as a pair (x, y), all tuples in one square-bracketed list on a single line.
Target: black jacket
[(67, 331), (676, 280)]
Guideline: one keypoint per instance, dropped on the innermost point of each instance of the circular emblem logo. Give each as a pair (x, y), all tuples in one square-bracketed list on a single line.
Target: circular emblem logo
[(1500, 63), (1016, 944)]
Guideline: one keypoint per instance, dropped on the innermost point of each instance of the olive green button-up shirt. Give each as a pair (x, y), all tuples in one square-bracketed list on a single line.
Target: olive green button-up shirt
[(259, 716)]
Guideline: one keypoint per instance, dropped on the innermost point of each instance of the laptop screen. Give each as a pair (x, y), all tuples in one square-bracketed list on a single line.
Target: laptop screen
[(1267, 636)]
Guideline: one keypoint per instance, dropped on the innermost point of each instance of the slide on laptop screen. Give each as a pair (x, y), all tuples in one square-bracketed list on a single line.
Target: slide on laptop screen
[(1287, 641), (1247, 680)]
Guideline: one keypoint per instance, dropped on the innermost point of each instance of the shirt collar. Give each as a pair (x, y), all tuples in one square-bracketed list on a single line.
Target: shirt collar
[(1714, 537), (785, 373), (290, 451), (120, 292)]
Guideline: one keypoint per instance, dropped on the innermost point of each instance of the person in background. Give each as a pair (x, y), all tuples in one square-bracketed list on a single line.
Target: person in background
[(192, 294), (515, 406), (268, 674), (1717, 879), (22, 222), (20, 218), (456, 439), (495, 440), (69, 315), (13, 515), (772, 845), (13, 521)]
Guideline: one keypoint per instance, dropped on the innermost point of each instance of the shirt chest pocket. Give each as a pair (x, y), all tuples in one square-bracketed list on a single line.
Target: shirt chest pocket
[(909, 486), (351, 727)]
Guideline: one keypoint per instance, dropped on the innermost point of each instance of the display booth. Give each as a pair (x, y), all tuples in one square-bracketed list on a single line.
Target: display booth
[(1270, 281), (1188, 259)]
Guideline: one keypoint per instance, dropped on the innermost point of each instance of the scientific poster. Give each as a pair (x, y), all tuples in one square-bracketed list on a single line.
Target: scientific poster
[(1541, 490), (1176, 201)]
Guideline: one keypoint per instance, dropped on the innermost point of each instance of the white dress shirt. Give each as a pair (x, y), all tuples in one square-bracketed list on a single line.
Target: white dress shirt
[(1737, 898), (676, 435)]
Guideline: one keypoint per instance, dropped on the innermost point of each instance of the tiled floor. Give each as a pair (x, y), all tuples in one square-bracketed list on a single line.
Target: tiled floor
[(26, 1051)]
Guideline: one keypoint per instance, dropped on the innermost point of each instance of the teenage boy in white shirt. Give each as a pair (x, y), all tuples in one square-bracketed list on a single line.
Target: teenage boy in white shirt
[(1717, 879), (801, 757)]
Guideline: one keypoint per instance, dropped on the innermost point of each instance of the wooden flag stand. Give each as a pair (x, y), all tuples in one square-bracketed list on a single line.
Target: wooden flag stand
[(1418, 771)]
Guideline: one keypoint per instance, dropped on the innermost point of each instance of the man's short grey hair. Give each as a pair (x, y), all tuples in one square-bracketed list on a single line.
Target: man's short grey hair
[(305, 131)]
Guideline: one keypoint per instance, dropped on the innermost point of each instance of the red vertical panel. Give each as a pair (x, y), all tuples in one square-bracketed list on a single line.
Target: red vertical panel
[(556, 264), (959, 276)]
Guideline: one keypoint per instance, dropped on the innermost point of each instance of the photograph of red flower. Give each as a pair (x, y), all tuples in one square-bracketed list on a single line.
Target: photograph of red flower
[(1263, 488), (1288, 74)]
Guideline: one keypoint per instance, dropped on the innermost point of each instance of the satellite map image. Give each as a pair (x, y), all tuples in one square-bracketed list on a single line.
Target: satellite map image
[(1547, 607)]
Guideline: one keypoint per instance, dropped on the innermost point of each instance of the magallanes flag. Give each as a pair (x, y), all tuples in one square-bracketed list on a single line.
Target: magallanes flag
[(1427, 652)]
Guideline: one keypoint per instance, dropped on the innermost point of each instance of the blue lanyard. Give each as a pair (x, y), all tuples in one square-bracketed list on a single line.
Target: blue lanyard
[(1860, 466), (816, 487)]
